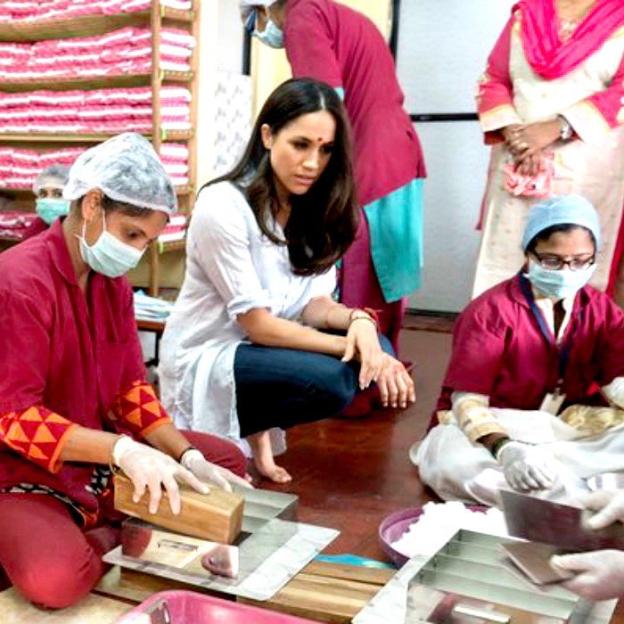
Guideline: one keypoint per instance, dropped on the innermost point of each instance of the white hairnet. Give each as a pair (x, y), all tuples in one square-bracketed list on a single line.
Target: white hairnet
[(54, 176), (247, 5), (127, 169)]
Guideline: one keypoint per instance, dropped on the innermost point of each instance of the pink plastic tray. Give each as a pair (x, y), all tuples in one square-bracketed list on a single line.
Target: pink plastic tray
[(186, 607)]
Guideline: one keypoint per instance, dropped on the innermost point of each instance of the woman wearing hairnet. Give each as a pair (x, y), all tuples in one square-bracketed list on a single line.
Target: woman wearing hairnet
[(50, 203), (328, 41), (533, 396), (73, 395)]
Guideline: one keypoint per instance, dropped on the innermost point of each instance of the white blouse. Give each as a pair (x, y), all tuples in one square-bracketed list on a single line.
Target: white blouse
[(231, 268)]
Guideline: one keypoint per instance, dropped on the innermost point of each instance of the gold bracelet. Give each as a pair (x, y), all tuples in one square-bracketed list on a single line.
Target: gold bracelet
[(365, 316)]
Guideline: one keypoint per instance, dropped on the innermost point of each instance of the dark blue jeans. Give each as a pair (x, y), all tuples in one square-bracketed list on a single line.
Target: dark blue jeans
[(286, 387)]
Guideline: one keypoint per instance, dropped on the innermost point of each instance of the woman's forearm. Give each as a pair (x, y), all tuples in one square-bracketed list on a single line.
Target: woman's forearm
[(270, 331), (325, 313), (88, 446), (169, 440)]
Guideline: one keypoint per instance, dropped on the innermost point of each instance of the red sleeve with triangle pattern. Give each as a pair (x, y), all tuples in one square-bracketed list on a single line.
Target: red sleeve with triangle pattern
[(139, 409), (36, 433)]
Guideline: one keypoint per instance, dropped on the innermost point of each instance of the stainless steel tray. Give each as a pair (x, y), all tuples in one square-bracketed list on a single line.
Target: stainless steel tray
[(472, 564)]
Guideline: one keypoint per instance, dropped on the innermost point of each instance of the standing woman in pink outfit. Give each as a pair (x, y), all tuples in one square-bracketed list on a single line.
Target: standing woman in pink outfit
[(330, 42), (550, 104)]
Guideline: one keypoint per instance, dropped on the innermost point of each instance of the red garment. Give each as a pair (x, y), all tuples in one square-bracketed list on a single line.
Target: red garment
[(496, 88), (498, 350), (547, 54), (36, 227), (63, 564), (330, 42), (67, 358)]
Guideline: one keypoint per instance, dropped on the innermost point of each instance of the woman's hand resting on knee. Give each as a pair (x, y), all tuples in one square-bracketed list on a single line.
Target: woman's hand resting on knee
[(395, 384), (363, 344)]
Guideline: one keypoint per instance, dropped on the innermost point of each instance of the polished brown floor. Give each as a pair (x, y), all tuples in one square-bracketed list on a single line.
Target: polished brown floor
[(350, 474)]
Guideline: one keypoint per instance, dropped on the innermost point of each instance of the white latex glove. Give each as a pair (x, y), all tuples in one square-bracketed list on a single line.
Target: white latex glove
[(599, 574), (527, 467), (194, 461), (149, 468), (609, 505)]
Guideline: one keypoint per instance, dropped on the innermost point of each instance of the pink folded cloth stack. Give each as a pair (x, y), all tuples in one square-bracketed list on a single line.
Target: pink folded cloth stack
[(96, 111), (44, 10), (19, 167), (127, 51), (14, 224)]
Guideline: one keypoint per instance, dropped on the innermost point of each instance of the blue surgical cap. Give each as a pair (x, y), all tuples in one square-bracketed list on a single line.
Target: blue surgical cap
[(561, 210), (127, 169)]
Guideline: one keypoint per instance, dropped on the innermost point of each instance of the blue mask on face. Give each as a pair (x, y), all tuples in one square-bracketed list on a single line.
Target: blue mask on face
[(558, 284), (108, 255), (272, 35), (50, 209)]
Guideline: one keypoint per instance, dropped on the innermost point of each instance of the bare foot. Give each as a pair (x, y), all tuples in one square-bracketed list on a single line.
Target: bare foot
[(263, 458)]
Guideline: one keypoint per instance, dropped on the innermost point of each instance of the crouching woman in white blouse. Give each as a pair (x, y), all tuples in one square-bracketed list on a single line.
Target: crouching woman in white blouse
[(249, 346)]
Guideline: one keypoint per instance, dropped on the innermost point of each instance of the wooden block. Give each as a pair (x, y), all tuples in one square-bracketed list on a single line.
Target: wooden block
[(216, 516)]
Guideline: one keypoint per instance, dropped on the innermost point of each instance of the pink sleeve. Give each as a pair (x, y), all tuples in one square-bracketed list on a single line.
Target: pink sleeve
[(600, 112), (310, 45), (495, 90)]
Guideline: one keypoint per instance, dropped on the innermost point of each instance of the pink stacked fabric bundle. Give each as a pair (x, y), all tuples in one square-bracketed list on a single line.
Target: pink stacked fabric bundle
[(174, 157), (14, 224), (127, 51), (44, 10), (97, 111), (19, 167)]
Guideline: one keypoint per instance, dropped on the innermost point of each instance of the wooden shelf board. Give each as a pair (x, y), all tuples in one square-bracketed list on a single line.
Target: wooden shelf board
[(34, 137), (83, 26), (179, 245), (180, 190), (88, 82)]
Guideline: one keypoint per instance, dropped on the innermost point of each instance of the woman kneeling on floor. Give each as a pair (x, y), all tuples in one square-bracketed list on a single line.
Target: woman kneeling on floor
[(534, 394), (255, 341), (72, 380)]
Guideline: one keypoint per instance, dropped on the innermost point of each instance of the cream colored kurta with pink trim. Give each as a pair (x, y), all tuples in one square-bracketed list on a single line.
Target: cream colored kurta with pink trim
[(592, 166)]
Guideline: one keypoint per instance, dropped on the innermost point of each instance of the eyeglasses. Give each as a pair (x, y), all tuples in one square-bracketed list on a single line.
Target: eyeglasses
[(556, 263)]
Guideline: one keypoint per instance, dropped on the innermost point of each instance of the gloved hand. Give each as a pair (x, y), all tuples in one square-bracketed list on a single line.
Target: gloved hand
[(609, 505), (195, 462), (149, 468), (599, 574), (527, 467)]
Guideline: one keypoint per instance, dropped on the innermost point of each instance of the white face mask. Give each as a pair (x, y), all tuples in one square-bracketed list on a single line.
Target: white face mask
[(272, 35), (108, 255), (558, 284)]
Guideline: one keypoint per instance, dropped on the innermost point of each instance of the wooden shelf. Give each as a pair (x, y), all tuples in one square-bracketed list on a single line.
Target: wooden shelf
[(83, 26), (179, 245), (180, 190), (35, 137), (96, 82)]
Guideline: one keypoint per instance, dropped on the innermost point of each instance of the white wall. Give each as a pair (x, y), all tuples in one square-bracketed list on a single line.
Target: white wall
[(442, 50)]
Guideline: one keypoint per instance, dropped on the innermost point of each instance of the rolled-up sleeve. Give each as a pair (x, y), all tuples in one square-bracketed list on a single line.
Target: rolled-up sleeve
[(219, 244)]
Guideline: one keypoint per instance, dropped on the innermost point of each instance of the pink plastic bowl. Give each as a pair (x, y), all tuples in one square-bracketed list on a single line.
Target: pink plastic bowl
[(397, 523), (187, 607)]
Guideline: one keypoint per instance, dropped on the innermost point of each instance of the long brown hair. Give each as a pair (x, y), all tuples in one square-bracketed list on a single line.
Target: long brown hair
[(323, 221)]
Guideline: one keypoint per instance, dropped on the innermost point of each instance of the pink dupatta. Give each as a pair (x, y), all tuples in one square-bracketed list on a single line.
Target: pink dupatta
[(546, 53)]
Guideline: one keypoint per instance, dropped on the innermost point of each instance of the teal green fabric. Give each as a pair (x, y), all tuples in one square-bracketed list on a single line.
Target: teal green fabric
[(395, 223), (354, 560)]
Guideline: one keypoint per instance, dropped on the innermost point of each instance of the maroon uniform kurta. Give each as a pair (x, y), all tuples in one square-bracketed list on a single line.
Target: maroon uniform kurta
[(66, 357), (499, 351), (333, 43)]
